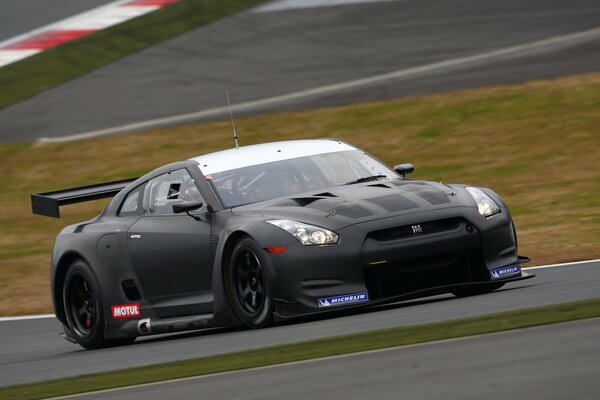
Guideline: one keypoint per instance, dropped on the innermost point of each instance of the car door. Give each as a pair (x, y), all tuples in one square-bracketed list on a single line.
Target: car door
[(171, 252)]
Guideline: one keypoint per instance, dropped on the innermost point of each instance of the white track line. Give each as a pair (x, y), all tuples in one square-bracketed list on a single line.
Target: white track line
[(528, 48), (285, 5), (40, 316), (26, 317), (563, 264)]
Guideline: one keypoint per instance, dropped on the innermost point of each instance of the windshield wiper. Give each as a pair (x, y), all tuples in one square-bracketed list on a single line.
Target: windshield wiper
[(366, 179)]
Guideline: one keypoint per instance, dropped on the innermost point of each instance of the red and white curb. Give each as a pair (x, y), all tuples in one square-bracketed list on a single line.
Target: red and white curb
[(75, 27)]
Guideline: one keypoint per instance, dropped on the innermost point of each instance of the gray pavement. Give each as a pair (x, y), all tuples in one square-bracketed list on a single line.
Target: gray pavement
[(32, 350), (549, 362), (21, 16), (259, 55)]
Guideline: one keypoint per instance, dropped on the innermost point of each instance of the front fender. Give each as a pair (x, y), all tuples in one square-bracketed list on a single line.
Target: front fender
[(232, 228)]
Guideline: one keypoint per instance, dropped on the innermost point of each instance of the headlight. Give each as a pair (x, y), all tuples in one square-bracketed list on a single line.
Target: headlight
[(308, 235), (485, 205)]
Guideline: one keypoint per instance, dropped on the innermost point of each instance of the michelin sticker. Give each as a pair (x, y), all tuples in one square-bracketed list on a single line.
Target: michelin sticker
[(344, 299), (505, 272)]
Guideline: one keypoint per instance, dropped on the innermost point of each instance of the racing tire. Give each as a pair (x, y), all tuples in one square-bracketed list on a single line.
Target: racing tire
[(83, 306), (247, 285), (475, 291)]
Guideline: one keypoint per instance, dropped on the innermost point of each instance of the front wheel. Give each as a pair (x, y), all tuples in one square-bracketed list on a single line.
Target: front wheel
[(247, 284), (83, 306)]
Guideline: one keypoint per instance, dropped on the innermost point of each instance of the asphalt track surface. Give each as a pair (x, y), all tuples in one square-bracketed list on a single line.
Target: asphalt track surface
[(31, 350), (548, 362), (260, 55), (21, 16)]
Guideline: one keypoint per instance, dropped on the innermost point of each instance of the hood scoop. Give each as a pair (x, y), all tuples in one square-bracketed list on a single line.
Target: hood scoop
[(380, 185), (304, 201), (325, 194)]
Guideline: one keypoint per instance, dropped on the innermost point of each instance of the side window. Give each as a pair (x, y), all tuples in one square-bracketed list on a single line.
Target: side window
[(172, 188), (132, 205)]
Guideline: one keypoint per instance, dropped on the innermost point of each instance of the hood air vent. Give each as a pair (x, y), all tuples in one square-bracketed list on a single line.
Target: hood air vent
[(353, 211), (350, 210), (435, 198), (408, 185), (393, 202)]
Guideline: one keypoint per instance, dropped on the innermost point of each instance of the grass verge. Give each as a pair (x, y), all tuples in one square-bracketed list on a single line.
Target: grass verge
[(310, 350), (35, 74), (535, 144)]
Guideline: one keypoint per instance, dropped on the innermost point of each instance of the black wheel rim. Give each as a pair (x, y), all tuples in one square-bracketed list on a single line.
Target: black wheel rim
[(249, 280), (81, 305)]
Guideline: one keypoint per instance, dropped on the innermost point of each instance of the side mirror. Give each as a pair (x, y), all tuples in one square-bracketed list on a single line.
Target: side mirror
[(187, 207), (404, 169)]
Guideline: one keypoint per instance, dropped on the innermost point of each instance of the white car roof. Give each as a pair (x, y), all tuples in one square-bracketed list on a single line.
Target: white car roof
[(247, 156)]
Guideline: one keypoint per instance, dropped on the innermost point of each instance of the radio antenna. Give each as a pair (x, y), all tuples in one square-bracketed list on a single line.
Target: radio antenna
[(235, 138)]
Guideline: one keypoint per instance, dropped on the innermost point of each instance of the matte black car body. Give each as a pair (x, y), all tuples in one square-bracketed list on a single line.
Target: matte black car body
[(172, 266)]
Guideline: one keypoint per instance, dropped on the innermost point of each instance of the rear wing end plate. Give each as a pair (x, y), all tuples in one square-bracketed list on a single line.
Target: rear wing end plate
[(48, 204)]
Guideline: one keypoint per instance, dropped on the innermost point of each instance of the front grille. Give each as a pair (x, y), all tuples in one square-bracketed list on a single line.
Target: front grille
[(402, 232), (394, 279)]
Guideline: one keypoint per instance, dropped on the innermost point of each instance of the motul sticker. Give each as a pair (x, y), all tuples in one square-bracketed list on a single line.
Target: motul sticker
[(125, 310)]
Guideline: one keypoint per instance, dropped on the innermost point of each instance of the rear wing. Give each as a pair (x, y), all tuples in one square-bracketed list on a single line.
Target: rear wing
[(48, 203)]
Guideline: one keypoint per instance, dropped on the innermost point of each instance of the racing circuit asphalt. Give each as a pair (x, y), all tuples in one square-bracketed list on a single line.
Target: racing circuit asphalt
[(31, 350), (260, 55), (547, 362)]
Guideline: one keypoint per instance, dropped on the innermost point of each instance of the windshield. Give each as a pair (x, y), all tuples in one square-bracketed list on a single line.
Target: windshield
[(288, 177)]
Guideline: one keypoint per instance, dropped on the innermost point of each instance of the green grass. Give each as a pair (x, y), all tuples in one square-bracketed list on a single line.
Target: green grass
[(535, 144), (309, 350), (35, 74)]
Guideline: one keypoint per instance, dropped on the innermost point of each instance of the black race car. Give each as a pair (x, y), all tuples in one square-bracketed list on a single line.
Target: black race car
[(261, 233)]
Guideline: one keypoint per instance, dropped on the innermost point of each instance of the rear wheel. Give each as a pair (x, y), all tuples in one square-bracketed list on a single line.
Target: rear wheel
[(247, 285), (83, 306), (474, 291)]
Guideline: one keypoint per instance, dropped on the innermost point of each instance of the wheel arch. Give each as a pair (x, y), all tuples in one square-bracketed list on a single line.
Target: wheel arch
[(261, 237), (229, 245), (62, 266), (228, 251), (225, 249)]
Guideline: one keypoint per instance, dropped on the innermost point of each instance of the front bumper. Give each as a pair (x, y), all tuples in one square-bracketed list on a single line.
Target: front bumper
[(390, 263), (285, 312)]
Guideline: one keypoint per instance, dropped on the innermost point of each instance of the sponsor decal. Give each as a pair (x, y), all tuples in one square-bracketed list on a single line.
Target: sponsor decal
[(506, 271), (344, 299), (125, 310)]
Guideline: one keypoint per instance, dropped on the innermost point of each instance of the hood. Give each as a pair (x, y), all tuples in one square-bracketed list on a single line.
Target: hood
[(340, 206)]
